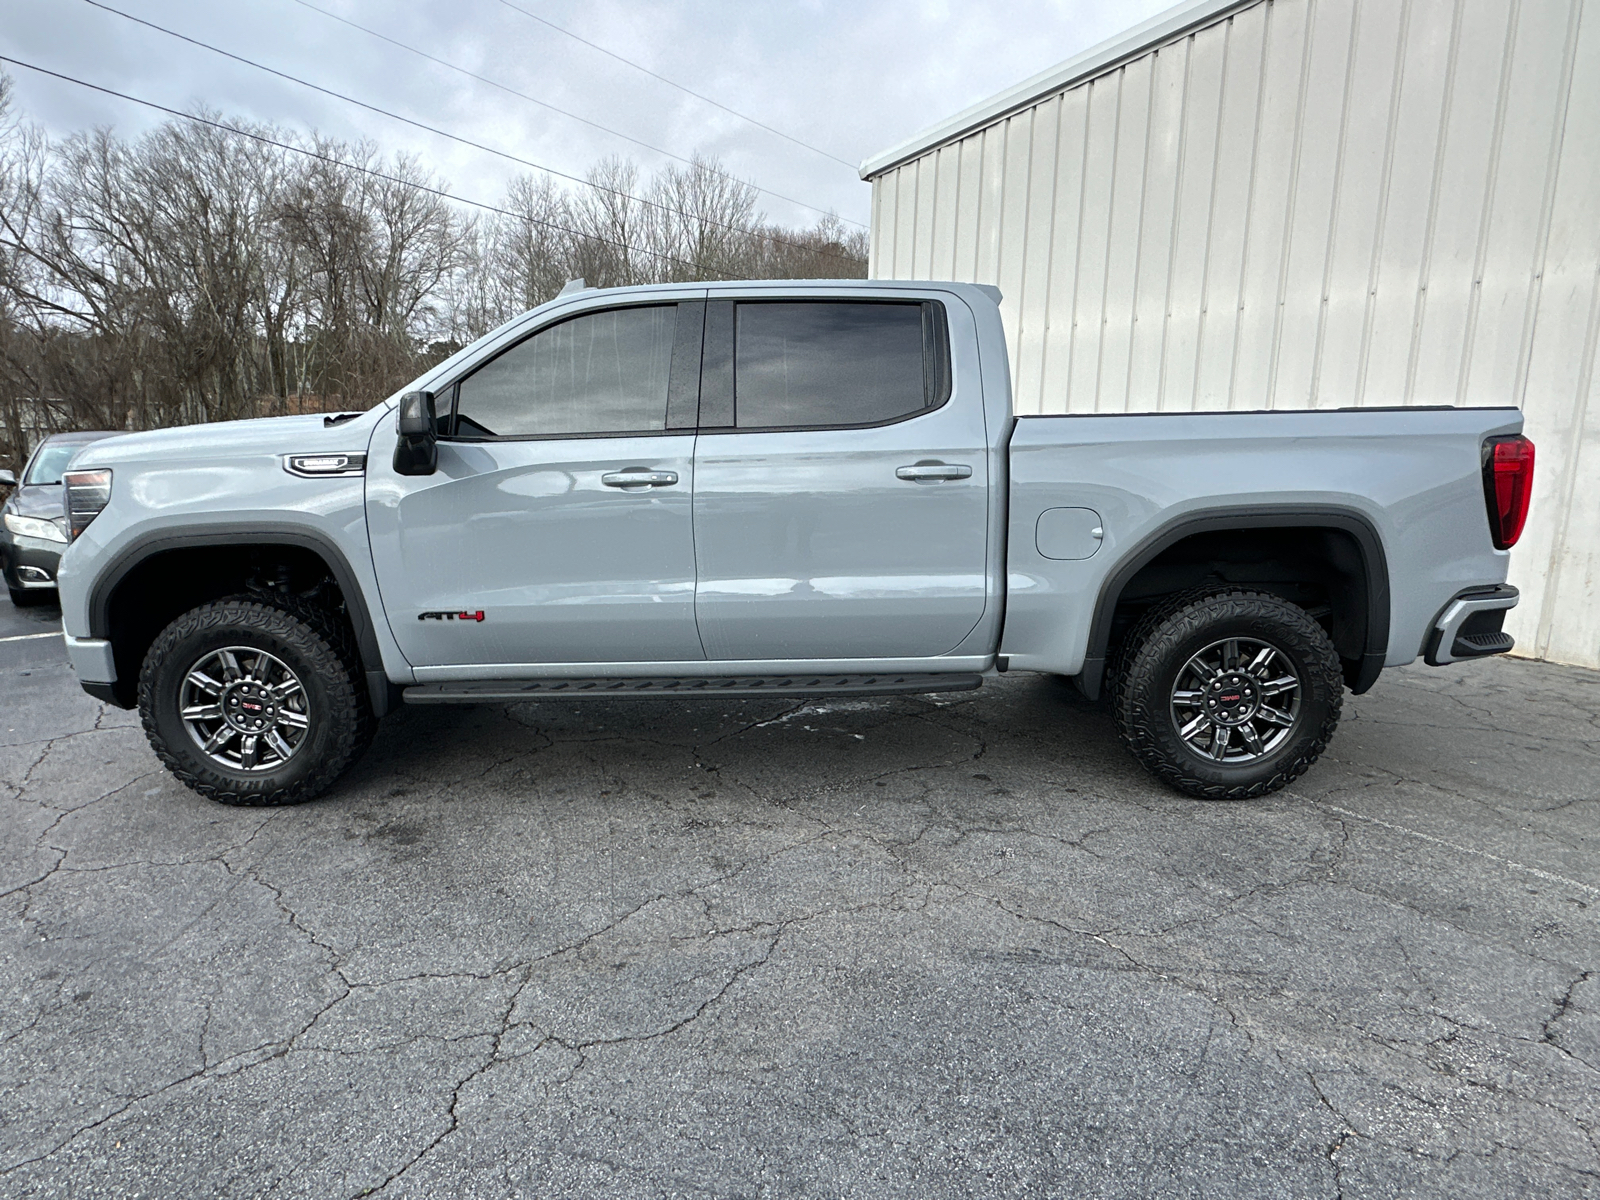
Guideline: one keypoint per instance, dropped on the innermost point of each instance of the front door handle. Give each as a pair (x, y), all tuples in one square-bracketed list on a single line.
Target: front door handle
[(933, 471), (638, 479)]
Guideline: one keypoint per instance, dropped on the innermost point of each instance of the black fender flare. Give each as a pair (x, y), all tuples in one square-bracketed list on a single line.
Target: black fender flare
[(1347, 520), (255, 533)]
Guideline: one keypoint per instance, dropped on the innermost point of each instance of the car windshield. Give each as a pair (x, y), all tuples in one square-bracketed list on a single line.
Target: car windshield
[(50, 462)]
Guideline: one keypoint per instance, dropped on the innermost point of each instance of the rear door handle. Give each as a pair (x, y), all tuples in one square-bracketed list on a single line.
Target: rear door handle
[(933, 471), (638, 479)]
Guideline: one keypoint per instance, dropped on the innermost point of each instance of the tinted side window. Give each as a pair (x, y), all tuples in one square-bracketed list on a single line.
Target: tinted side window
[(832, 363), (603, 372)]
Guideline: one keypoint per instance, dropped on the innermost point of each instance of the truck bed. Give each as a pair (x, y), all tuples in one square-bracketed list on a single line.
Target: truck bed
[(1405, 483)]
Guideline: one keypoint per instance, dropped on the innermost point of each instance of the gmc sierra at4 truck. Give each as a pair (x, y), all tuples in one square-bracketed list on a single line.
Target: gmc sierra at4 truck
[(775, 489)]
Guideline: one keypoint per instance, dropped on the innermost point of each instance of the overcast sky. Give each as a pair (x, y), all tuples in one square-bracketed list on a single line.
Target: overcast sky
[(851, 77)]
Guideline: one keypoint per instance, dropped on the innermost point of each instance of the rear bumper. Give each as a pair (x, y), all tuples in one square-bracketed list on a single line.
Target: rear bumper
[(1470, 626)]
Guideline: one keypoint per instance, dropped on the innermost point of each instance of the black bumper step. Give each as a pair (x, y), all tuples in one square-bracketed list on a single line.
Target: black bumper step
[(1476, 645), (489, 691)]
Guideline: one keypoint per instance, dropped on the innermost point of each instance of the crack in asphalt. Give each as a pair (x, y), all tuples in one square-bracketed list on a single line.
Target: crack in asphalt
[(582, 1047), (1347, 1131)]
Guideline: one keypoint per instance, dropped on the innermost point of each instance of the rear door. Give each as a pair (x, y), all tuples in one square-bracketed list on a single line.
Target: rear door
[(841, 482), (558, 526)]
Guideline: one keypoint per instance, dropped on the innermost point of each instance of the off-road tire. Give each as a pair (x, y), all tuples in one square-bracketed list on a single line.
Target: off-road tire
[(1156, 652), (1122, 653), (313, 642)]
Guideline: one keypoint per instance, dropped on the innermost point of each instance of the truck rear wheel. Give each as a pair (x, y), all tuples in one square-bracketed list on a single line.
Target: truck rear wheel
[(1230, 696), (250, 702)]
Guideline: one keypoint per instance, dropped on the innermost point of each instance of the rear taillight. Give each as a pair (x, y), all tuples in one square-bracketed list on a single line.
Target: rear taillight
[(87, 493), (1507, 487)]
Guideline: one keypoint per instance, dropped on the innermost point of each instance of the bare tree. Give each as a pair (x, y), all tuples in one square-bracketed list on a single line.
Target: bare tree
[(378, 250), (196, 274)]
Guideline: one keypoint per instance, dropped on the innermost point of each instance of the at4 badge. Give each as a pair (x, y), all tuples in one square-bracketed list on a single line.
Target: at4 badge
[(451, 616)]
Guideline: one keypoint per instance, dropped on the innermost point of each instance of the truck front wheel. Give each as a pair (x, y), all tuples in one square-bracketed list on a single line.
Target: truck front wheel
[(1228, 697), (255, 703)]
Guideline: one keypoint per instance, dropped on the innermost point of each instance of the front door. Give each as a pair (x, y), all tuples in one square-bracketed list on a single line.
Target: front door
[(841, 486), (558, 527)]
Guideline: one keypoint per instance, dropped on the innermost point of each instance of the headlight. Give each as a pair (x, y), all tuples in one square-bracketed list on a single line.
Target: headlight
[(88, 492), (34, 527)]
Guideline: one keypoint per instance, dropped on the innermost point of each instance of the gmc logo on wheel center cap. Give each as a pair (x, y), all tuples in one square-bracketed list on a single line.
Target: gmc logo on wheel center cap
[(451, 616)]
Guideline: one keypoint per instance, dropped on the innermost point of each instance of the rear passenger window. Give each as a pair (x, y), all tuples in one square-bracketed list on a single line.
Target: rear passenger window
[(832, 363), (603, 372)]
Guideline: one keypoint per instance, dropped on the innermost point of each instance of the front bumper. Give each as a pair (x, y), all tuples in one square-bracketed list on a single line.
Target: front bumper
[(1470, 626), (30, 563), (96, 668), (92, 659)]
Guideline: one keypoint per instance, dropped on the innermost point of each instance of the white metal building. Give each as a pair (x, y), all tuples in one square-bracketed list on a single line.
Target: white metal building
[(1300, 203)]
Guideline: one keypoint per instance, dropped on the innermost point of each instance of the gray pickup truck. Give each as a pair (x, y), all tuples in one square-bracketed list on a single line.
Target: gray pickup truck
[(775, 489)]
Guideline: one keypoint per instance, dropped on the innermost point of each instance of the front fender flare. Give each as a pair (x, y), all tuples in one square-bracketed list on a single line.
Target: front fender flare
[(379, 687)]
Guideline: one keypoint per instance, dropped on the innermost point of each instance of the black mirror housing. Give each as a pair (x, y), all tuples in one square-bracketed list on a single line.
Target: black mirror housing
[(417, 451), (417, 415)]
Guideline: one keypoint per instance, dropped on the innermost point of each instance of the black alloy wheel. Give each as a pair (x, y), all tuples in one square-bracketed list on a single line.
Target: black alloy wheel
[(1230, 695), (254, 701)]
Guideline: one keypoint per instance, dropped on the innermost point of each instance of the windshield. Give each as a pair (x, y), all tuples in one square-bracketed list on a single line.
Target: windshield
[(50, 462)]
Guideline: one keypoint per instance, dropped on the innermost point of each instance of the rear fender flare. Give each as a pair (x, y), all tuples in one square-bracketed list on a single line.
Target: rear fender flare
[(1346, 520)]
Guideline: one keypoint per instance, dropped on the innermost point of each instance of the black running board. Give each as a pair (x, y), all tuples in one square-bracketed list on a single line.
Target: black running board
[(488, 691)]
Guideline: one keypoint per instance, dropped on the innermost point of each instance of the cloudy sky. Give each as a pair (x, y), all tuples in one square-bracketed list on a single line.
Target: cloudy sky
[(847, 77)]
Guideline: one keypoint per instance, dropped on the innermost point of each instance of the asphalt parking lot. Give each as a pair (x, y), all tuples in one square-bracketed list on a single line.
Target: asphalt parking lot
[(891, 948)]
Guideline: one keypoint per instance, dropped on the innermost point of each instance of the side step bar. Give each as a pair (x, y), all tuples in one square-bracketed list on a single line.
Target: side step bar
[(501, 690)]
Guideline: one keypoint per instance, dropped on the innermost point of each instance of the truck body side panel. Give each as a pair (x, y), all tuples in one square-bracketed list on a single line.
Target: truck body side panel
[(1412, 475)]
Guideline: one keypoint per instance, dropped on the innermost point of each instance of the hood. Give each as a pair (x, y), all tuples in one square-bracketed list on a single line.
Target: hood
[(39, 500), (229, 439)]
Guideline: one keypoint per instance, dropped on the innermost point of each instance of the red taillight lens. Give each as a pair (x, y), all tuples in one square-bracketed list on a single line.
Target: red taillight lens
[(1507, 487)]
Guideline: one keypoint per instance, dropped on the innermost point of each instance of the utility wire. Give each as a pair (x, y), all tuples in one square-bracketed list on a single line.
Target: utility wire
[(332, 16), (350, 166), (679, 86), (506, 154)]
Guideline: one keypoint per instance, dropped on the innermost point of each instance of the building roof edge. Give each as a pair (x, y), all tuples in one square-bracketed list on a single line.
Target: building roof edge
[(1163, 27)]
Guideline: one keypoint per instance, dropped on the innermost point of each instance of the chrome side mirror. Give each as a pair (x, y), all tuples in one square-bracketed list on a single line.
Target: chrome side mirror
[(417, 451)]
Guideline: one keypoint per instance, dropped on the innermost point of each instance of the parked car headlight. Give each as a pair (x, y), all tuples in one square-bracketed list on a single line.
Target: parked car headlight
[(34, 527), (87, 492)]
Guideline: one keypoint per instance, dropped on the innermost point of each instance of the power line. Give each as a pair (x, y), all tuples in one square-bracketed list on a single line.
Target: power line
[(679, 86), (505, 154), (332, 16), (350, 166)]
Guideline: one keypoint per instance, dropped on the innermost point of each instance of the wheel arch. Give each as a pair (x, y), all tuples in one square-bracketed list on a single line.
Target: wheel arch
[(1361, 674), (140, 555)]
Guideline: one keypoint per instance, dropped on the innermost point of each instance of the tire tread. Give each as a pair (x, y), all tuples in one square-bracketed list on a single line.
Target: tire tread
[(323, 638), (1136, 698)]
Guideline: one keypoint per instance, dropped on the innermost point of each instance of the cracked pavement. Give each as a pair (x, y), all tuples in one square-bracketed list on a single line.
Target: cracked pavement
[(897, 947)]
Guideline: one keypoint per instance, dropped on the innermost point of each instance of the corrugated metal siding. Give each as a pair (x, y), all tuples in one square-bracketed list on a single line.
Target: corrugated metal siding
[(1310, 203)]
